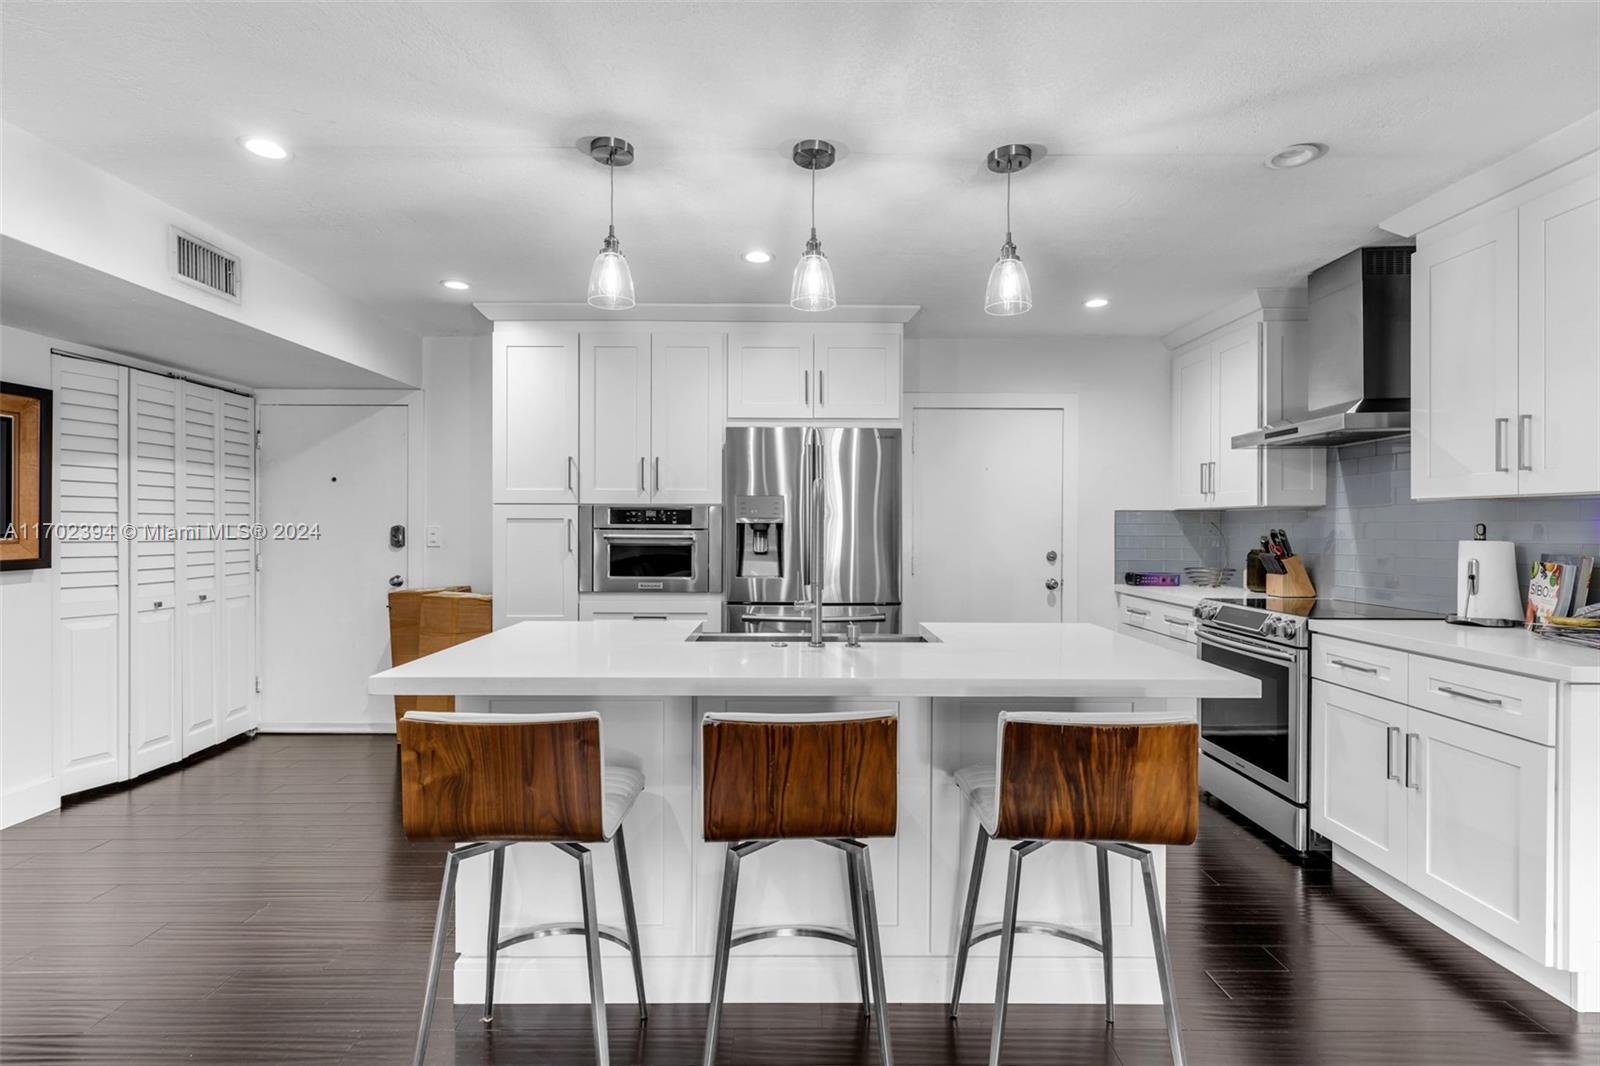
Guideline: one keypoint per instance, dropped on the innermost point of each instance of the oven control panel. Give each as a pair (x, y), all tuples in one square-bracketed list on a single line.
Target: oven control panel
[(650, 516)]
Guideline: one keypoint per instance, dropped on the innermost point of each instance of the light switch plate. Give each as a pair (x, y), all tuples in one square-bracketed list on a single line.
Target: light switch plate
[(435, 538)]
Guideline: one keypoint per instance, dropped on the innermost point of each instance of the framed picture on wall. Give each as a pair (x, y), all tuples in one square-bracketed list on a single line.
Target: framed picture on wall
[(24, 477)]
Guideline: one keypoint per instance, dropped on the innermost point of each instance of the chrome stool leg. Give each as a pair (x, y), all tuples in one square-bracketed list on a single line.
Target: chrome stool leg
[(630, 920), (441, 928), (492, 953), (964, 944), (1008, 941), (591, 937), (1103, 874), (858, 929), (880, 996), (719, 970), (1158, 931)]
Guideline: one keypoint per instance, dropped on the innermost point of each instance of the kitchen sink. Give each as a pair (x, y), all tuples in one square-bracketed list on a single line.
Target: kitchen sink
[(802, 638)]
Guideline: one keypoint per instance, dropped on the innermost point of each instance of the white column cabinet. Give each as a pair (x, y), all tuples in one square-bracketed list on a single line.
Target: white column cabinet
[(1505, 349), (1357, 762), (534, 418), (834, 373), (91, 606), (1557, 433), (154, 729), (535, 563)]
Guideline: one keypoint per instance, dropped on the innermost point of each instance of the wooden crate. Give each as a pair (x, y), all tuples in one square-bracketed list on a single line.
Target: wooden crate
[(405, 620)]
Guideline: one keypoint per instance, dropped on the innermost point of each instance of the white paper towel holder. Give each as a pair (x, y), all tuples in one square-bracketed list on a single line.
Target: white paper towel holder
[(1471, 577)]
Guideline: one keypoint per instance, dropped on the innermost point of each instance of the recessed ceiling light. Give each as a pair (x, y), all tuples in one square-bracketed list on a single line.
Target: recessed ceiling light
[(757, 256), (1296, 155), (1097, 301), (456, 284), (265, 148)]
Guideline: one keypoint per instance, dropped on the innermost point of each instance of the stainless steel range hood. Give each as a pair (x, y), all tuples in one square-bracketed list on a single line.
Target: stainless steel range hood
[(1356, 368)]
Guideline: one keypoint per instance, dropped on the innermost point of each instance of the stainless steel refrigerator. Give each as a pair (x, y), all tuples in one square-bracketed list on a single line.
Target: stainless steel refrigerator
[(800, 499)]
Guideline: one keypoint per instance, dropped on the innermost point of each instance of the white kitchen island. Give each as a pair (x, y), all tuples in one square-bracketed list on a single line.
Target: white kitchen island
[(652, 682)]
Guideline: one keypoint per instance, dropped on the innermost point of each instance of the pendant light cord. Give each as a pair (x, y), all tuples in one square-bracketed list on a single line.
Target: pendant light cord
[(611, 165), (1008, 205), (813, 199)]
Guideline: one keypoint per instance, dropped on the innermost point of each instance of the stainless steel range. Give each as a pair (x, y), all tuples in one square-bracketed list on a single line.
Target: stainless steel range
[(1255, 753)]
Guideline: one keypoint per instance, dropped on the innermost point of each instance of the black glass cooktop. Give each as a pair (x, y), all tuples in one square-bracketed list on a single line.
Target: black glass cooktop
[(1328, 609)]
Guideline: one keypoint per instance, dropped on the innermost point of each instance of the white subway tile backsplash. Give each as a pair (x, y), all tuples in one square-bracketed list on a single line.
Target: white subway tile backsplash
[(1372, 542)]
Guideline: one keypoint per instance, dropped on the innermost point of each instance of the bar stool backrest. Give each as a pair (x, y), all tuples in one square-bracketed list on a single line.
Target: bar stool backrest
[(501, 776), (1068, 776), (800, 776)]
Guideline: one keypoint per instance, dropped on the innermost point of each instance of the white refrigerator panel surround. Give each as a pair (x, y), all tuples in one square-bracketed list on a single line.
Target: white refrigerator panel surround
[(337, 476)]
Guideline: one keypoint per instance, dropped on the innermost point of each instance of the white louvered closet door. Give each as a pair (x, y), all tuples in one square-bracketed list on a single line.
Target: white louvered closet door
[(91, 664), (238, 574), (200, 565), (155, 723)]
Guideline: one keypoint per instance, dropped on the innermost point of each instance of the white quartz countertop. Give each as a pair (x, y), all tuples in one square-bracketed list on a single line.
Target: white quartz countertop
[(1513, 650), (971, 659), (1187, 595)]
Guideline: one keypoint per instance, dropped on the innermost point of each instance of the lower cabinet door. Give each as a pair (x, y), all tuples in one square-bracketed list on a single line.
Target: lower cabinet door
[(535, 563), (1482, 829), (1358, 798)]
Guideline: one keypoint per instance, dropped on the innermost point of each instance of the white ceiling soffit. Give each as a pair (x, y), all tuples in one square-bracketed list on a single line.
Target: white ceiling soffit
[(444, 140), (47, 294)]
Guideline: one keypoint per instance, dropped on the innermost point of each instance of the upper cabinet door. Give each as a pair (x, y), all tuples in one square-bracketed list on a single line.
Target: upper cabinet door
[(687, 375), (615, 389), (1556, 438), (769, 373), (535, 414), (1235, 480), (858, 374), (1193, 428), (1464, 363)]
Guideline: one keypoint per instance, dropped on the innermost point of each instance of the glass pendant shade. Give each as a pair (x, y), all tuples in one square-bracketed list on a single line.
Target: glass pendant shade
[(813, 280), (1008, 292), (610, 280)]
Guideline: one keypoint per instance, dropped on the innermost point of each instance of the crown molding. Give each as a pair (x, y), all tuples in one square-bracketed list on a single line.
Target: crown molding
[(528, 311), (1285, 302)]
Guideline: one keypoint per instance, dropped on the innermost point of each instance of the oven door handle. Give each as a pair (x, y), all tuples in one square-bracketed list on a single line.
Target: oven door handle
[(672, 538), (1254, 651)]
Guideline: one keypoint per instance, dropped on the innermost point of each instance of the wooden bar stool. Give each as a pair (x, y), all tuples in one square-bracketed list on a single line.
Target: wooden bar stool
[(829, 777), (1113, 781), (500, 779)]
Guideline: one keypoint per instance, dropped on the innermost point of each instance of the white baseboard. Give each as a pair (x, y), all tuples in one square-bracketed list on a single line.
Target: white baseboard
[(1579, 991), (326, 727), (817, 979), (29, 801)]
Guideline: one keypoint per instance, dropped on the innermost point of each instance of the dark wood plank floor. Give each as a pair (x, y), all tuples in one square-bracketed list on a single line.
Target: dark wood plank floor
[(262, 906)]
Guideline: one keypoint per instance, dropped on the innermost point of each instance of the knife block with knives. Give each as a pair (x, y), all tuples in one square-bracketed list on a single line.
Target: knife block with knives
[(1286, 576)]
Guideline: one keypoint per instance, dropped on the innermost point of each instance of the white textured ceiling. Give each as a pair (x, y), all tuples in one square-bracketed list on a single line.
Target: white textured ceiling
[(435, 140)]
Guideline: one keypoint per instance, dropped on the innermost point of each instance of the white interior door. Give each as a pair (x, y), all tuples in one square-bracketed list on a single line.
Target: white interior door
[(335, 478), (154, 705), (237, 626), (986, 514), (200, 617)]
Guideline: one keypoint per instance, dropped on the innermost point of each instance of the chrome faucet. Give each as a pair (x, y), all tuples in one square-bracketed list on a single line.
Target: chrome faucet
[(814, 606), (812, 523)]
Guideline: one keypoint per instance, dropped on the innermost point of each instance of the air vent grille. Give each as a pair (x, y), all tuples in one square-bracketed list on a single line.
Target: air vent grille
[(203, 265), (1387, 262)]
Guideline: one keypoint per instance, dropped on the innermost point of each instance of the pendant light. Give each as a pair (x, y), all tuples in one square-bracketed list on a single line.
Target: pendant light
[(813, 277), (610, 280), (1008, 292)]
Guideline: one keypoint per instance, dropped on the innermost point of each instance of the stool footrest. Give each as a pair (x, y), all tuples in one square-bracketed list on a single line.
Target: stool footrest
[(775, 932), (539, 932), (1065, 932)]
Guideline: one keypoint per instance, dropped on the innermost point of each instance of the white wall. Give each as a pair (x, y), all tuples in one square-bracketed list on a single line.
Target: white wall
[(456, 398), (1124, 418), (28, 783)]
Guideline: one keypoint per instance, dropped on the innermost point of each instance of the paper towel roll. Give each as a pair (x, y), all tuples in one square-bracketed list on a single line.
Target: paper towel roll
[(1499, 592)]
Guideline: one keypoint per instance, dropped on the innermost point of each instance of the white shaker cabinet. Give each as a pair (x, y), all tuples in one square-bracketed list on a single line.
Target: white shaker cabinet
[(1194, 430), (835, 373), (1236, 472), (614, 386), (1557, 432), (1505, 345), (535, 563), (534, 417), (1357, 762)]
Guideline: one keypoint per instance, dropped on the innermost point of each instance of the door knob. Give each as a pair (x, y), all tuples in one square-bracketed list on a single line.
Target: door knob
[(1052, 584), (396, 581)]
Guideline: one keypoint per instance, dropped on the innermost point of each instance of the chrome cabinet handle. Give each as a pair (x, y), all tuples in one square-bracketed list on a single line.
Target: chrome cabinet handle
[(572, 465), (1213, 479), (1202, 479), (1525, 462), (1413, 756), (1489, 701), (1500, 425), (569, 536), (805, 386), (1179, 621), (649, 618), (1352, 666), (658, 473), (820, 401), (1135, 610), (641, 473), (1388, 753)]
